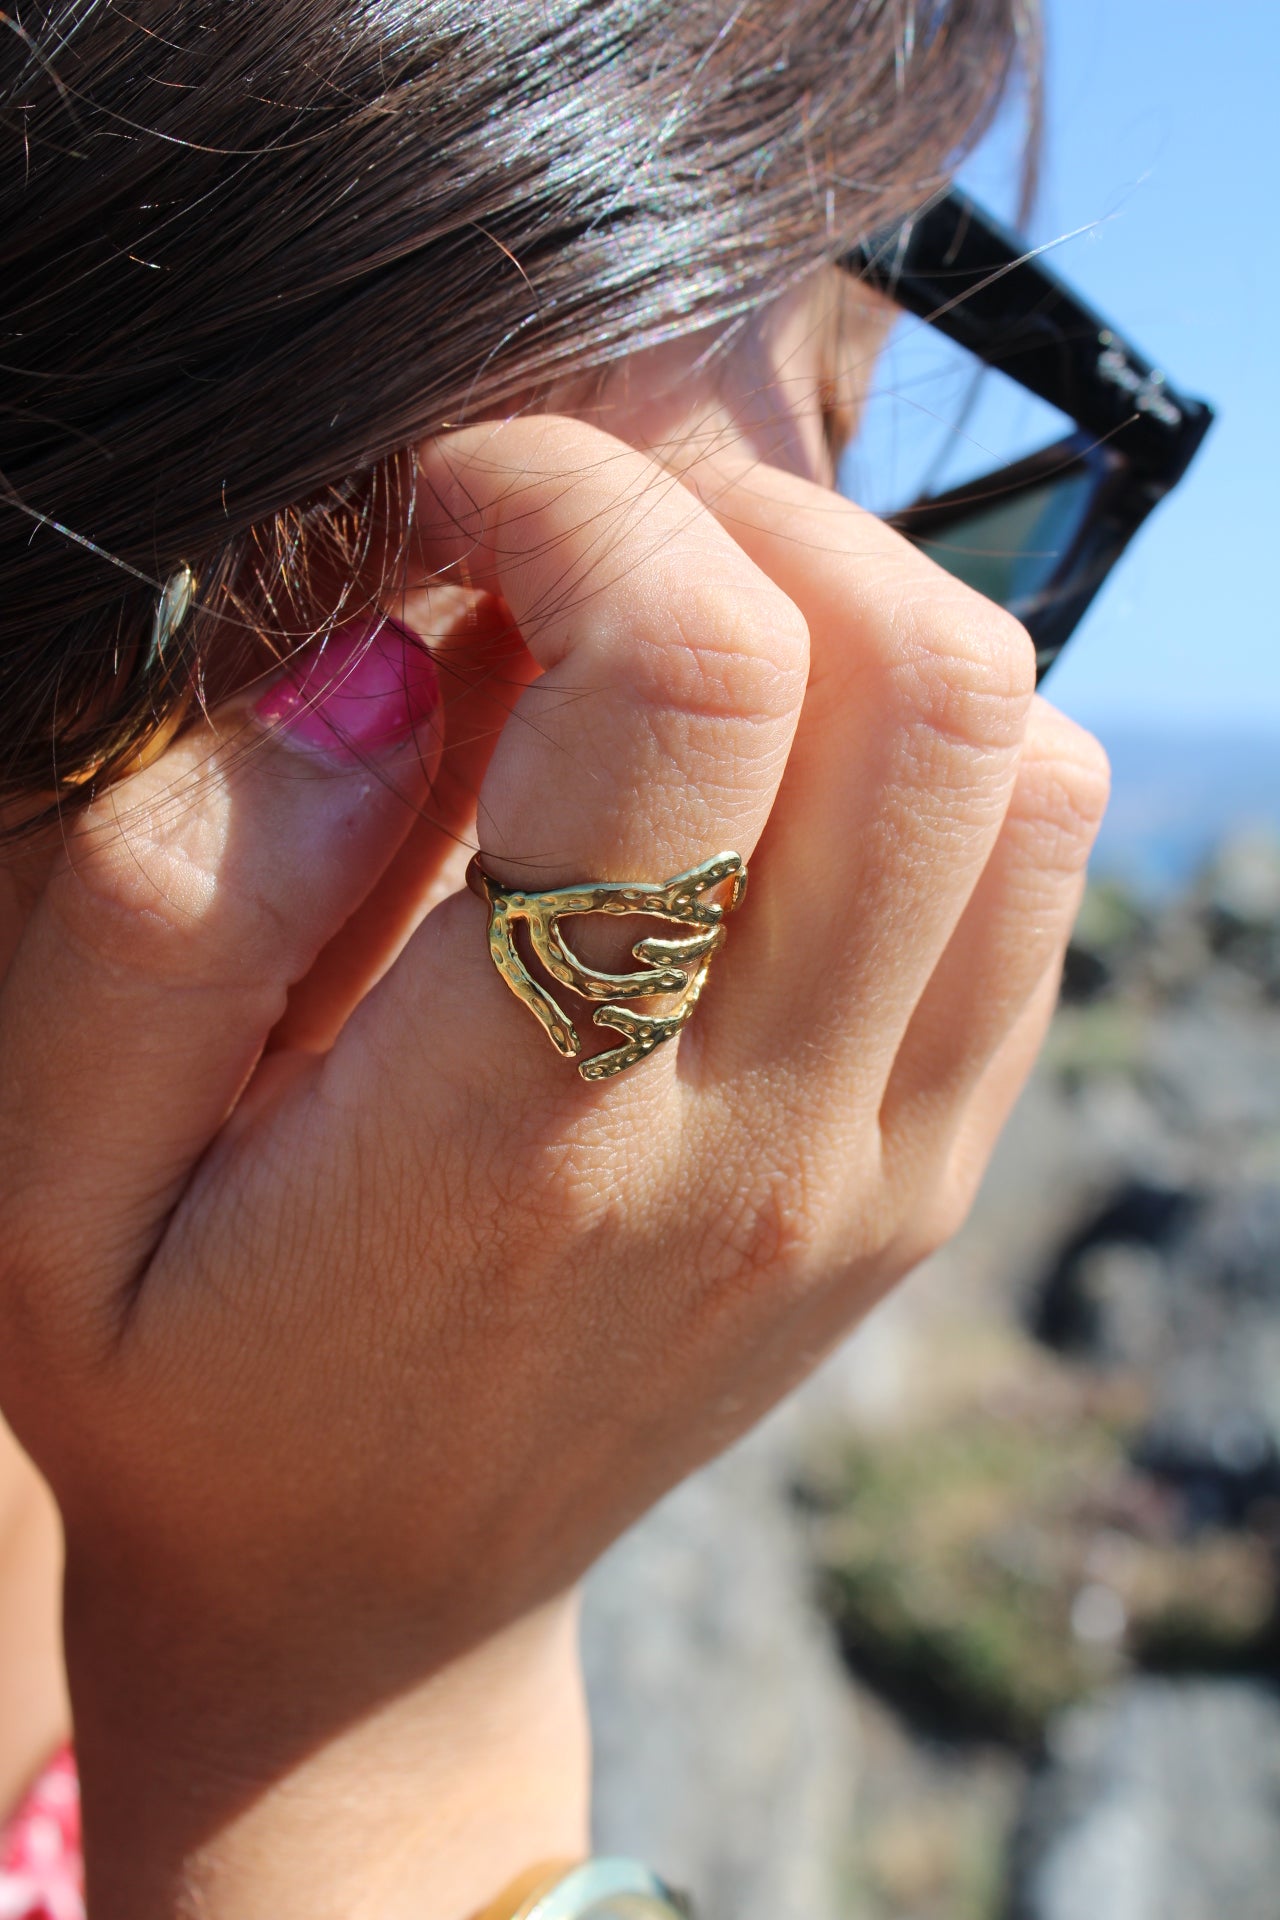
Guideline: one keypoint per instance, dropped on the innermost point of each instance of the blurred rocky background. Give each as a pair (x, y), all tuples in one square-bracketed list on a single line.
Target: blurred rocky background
[(983, 1624)]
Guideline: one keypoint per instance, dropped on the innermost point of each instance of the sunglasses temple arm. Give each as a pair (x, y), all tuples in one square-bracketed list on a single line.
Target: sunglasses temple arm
[(957, 269)]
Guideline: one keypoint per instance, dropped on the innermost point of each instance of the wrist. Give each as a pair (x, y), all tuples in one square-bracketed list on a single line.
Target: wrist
[(419, 1805)]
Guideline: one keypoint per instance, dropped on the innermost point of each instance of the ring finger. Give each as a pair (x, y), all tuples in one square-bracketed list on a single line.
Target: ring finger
[(901, 774)]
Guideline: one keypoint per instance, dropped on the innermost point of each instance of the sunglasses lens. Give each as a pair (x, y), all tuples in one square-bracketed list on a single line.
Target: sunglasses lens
[(1013, 549)]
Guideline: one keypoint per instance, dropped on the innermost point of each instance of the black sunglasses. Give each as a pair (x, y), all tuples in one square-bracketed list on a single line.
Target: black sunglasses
[(1041, 535)]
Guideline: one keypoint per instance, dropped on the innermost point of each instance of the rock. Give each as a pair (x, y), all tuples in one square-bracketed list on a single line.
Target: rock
[(1086, 976), (1240, 888), (1111, 931), (723, 1725), (1224, 935), (1103, 1295), (1213, 1075), (1182, 1289), (1215, 1426), (1140, 1183), (1160, 1801)]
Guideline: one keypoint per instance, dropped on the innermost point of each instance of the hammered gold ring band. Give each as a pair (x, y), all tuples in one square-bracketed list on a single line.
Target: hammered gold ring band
[(672, 972)]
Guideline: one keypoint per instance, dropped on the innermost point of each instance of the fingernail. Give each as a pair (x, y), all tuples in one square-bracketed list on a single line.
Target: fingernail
[(367, 685)]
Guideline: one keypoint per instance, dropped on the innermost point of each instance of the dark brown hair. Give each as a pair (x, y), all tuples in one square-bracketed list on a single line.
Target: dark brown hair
[(252, 249)]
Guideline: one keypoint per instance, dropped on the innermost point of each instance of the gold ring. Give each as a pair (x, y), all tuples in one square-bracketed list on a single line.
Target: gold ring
[(675, 969)]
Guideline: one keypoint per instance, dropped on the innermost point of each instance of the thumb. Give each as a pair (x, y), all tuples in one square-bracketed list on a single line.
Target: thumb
[(185, 904)]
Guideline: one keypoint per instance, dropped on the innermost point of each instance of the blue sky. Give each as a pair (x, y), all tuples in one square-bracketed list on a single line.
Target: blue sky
[(1164, 119)]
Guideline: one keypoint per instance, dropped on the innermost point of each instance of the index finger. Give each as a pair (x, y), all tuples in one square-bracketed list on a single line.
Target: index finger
[(673, 673), (673, 669)]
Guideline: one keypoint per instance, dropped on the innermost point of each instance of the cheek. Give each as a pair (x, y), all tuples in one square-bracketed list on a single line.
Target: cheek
[(22, 879), (787, 389), (746, 415), (855, 327), (756, 398)]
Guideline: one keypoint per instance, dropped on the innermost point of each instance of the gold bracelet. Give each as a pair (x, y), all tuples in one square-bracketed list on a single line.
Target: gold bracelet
[(591, 1890)]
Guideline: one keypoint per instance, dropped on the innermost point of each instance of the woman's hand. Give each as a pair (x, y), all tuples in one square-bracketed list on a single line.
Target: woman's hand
[(345, 1358)]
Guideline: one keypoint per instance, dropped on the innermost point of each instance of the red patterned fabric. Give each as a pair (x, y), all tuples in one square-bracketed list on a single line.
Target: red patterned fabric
[(41, 1867)]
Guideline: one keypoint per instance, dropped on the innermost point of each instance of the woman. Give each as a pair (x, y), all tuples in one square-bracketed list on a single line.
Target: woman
[(346, 1320)]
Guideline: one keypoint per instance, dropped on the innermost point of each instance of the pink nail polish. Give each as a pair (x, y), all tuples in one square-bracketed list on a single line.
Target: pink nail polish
[(367, 685)]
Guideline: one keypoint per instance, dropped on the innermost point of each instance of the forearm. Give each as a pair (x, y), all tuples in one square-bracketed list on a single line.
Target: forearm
[(422, 1808)]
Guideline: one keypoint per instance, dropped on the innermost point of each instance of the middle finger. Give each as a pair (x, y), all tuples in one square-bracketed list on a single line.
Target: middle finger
[(897, 784)]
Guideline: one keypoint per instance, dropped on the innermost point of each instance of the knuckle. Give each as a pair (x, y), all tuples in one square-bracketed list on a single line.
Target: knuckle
[(771, 1232), (134, 890), (802, 1209), (959, 1182), (146, 898), (1079, 769), (948, 1209), (1061, 795), (927, 1196), (934, 1220), (965, 666), (625, 567), (740, 652)]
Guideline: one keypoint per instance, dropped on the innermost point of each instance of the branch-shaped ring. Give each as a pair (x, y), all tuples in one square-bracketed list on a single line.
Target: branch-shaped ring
[(672, 969)]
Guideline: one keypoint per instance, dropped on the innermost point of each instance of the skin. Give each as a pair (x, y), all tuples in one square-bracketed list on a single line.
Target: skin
[(347, 1324)]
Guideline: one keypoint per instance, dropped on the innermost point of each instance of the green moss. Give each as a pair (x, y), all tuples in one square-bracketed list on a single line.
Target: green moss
[(938, 1856), (969, 1570), (1110, 1037), (1111, 919)]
